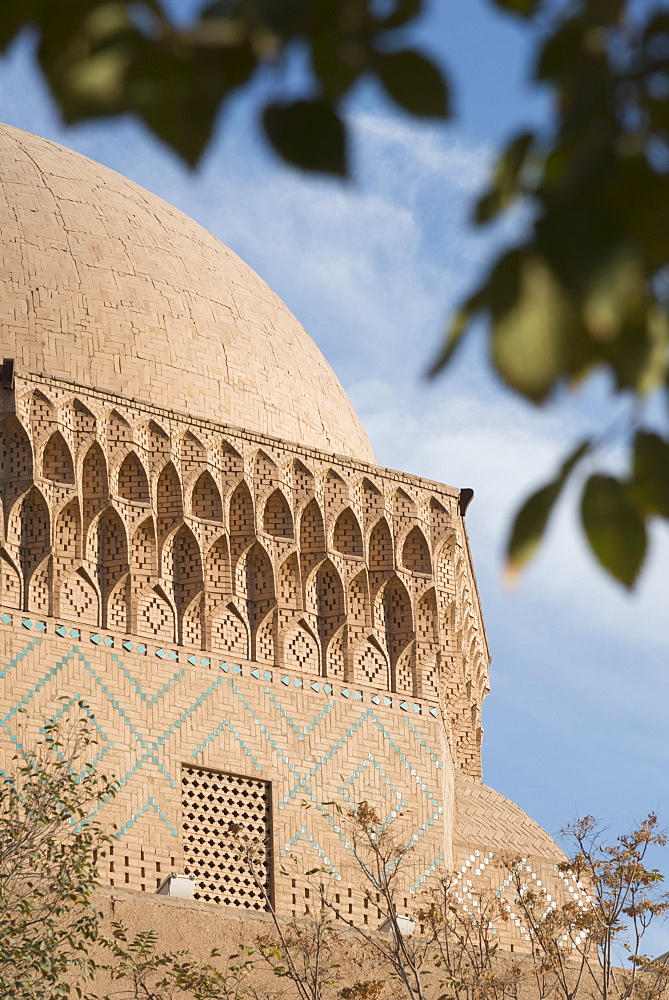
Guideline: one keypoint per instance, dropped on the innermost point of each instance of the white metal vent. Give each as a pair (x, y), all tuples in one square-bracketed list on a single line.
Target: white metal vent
[(224, 816)]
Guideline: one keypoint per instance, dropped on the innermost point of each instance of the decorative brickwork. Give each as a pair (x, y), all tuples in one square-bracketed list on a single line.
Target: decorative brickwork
[(257, 627)]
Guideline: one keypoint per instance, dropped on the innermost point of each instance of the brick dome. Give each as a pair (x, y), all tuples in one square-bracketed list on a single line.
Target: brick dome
[(107, 285)]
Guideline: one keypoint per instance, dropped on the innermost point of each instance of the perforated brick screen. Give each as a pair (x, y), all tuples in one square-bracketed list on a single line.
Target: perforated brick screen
[(221, 814)]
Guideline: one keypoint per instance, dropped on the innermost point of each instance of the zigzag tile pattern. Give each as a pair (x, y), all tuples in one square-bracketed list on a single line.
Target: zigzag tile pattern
[(153, 716)]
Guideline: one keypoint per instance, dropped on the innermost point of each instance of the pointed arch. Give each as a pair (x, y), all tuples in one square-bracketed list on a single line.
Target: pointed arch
[(396, 618), (264, 647), (264, 471), (94, 484), (330, 606), (347, 536), (312, 532), (133, 482), (416, 553), (191, 630), (277, 518), (217, 570), (169, 502), (370, 665), (289, 590), (15, 454), (300, 650), (335, 655), (10, 582), (193, 454), (242, 519), (186, 568), (157, 443), (144, 556), (405, 672), (155, 616), (445, 565), (41, 413), (67, 533), (206, 499), (357, 602), (83, 421), (229, 633), (303, 480), (440, 520), (57, 464), (231, 461), (404, 510), (335, 491), (118, 431), (112, 551), (381, 548), (427, 645), (117, 610), (258, 582), (35, 532)]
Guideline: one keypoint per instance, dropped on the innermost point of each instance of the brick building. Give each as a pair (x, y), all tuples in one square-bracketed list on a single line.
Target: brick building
[(198, 543)]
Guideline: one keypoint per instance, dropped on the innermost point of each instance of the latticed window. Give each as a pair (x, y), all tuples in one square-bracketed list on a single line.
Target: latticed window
[(226, 830)]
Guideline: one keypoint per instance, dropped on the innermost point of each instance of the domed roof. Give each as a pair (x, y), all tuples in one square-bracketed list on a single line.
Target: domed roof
[(107, 285)]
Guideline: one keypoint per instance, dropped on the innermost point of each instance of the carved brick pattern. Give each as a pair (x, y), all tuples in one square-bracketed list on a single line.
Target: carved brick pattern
[(278, 519), (301, 651), (230, 571), (169, 504), (224, 815), (404, 675), (79, 602), (335, 492), (228, 634), (39, 591), (41, 414), (83, 421), (264, 473), (232, 465), (118, 431), (347, 537), (381, 548), (193, 455), (133, 484), (371, 666), (94, 483), (358, 601), (336, 662), (57, 461), (16, 456), (206, 499), (155, 619), (10, 583), (415, 553)]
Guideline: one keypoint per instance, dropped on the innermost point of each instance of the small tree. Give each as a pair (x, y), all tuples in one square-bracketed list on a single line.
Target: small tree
[(578, 945), (47, 864)]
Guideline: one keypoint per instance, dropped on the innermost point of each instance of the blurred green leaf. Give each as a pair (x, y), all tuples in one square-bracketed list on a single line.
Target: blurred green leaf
[(506, 183), (531, 520), (525, 8), (614, 528), (414, 83), (537, 334), (650, 473), (308, 134)]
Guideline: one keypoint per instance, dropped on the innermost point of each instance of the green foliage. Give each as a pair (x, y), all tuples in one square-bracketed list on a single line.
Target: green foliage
[(586, 289), (47, 865), (110, 57)]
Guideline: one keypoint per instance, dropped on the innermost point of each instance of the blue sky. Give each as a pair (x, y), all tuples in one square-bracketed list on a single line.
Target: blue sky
[(576, 719)]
